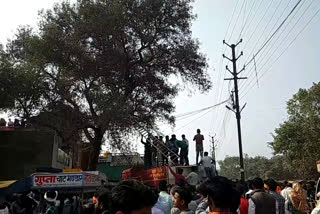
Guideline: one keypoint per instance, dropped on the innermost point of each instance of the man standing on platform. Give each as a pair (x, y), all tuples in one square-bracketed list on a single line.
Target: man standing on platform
[(185, 152), (147, 152), (208, 166), (199, 145)]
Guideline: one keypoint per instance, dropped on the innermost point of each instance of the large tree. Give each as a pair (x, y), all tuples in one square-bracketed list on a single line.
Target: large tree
[(254, 166), (107, 65), (298, 138)]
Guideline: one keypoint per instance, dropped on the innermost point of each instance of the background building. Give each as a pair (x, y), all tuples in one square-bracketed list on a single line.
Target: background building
[(115, 163), (23, 151)]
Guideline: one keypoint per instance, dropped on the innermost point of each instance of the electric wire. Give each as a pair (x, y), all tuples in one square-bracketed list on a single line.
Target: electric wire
[(264, 29), (279, 45), (258, 24), (274, 33), (267, 49), (287, 47)]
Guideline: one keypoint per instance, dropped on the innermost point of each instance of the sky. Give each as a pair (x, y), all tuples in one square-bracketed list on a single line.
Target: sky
[(270, 84)]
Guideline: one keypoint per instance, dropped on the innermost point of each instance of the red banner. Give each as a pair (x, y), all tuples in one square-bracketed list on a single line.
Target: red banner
[(154, 174), (150, 176)]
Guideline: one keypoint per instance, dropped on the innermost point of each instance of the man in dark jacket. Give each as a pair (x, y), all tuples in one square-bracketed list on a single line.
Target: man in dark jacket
[(174, 149), (147, 152), (261, 202), (272, 184)]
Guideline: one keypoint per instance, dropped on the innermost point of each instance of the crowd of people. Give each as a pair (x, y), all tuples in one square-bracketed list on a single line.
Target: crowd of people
[(16, 123), (215, 195), (159, 150)]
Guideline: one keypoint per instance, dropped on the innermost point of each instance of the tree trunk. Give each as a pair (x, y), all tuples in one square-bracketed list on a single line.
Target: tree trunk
[(95, 150)]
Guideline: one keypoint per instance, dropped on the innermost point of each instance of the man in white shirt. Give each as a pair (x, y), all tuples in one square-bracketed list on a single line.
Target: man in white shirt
[(248, 194), (288, 207), (286, 191), (207, 162)]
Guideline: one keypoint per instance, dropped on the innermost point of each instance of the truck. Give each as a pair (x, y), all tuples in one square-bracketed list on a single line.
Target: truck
[(155, 175)]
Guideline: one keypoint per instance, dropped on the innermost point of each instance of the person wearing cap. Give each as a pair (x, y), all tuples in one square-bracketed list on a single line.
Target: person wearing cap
[(51, 198)]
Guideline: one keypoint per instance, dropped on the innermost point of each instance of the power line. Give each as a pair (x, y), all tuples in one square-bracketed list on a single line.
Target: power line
[(286, 7), (233, 12), (192, 113), (207, 109), (268, 48), (246, 20), (258, 24), (287, 47), (279, 45), (244, 16), (265, 28), (274, 33), (222, 122), (193, 120), (253, 16), (249, 55), (225, 122), (226, 141), (236, 21), (250, 73)]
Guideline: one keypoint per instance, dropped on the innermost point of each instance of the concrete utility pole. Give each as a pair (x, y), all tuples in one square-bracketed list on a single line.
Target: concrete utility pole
[(214, 152), (236, 107)]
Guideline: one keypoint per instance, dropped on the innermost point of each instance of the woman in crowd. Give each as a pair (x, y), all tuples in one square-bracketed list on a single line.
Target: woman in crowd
[(299, 200)]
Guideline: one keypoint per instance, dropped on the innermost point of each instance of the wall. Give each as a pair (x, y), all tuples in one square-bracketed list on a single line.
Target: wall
[(114, 173), (22, 151), (60, 159)]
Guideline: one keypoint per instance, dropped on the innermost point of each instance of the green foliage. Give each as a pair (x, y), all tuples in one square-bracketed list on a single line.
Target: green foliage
[(277, 168), (298, 138), (104, 65), (296, 143)]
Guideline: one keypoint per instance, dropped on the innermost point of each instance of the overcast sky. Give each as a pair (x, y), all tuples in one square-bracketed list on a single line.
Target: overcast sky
[(298, 67)]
